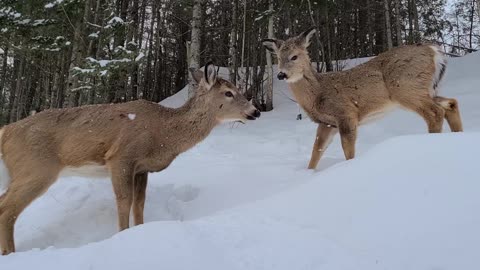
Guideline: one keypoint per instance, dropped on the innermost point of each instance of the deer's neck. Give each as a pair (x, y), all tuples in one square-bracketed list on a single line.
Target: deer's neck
[(194, 121), (306, 89)]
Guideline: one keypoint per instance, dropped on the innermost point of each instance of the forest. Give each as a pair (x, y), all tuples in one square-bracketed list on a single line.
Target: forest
[(66, 53)]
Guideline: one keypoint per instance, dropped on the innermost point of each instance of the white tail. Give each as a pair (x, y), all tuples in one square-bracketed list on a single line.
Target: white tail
[(440, 62)]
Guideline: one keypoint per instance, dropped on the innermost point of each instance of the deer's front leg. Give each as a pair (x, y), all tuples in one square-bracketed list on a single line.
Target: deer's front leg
[(122, 181), (140, 187), (348, 135), (324, 137)]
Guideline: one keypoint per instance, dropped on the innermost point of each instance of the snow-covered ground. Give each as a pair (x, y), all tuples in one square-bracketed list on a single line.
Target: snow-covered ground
[(243, 199)]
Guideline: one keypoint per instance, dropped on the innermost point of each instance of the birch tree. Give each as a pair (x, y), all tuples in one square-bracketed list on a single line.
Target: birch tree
[(194, 48), (232, 63), (269, 91)]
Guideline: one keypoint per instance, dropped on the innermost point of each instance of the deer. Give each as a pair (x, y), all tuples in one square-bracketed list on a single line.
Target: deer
[(123, 141), (339, 102)]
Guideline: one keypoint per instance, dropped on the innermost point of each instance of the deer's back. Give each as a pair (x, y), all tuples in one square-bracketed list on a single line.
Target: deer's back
[(74, 136)]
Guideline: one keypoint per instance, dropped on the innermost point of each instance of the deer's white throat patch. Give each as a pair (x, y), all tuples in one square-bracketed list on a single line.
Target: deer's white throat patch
[(295, 78)]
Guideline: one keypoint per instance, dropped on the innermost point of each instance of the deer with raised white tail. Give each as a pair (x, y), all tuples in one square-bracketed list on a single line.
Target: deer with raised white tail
[(339, 102), (124, 141)]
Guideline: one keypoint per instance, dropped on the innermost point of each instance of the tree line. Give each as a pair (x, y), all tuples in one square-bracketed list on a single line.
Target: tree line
[(66, 53)]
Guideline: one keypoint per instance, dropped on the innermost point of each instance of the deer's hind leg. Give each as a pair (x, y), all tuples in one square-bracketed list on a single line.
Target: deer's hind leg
[(452, 112), (140, 187), (324, 137), (429, 110), (348, 136), (24, 188)]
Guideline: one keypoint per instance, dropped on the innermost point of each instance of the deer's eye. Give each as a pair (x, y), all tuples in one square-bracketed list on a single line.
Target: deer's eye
[(228, 94), (294, 58)]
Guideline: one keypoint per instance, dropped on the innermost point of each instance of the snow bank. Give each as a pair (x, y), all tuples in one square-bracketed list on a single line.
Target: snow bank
[(384, 210)]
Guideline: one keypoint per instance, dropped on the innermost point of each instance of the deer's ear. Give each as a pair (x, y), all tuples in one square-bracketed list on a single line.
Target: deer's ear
[(273, 45), (197, 74), (210, 75), (305, 37)]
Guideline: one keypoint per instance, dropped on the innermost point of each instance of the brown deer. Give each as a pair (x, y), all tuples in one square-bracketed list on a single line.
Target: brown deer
[(407, 76), (125, 141)]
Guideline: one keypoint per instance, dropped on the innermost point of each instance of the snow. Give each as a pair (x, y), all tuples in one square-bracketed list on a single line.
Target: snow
[(139, 57), (54, 3), (84, 70), (106, 62), (114, 21), (9, 12), (24, 21), (243, 199), (84, 87), (52, 49), (39, 22)]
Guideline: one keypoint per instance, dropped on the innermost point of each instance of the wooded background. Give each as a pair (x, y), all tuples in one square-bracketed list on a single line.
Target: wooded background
[(65, 53)]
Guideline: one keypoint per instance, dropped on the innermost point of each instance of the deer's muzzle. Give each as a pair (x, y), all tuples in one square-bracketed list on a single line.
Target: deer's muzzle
[(281, 76), (254, 115)]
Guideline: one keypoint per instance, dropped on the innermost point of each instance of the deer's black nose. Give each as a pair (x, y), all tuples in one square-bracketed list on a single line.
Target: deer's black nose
[(281, 76), (256, 113)]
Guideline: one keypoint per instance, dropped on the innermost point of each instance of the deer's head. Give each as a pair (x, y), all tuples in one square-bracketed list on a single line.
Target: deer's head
[(292, 55), (223, 97)]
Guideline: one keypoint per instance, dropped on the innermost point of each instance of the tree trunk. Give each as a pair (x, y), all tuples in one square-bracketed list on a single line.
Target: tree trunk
[(380, 44), (232, 63), (370, 23), (242, 60), (3, 82), (147, 83), (269, 96), (78, 55), (410, 23), (416, 22), (195, 42), (133, 31), (388, 26), (182, 36), (30, 94), (413, 22), (93, 49), (325, 28), (478, 8), (317, 35), (118, 77), (398, 28), (471, 28), (16, 90)]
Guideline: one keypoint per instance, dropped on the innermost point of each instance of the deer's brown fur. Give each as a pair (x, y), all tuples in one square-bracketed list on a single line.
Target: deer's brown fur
[(407, 76), (125, 141)]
